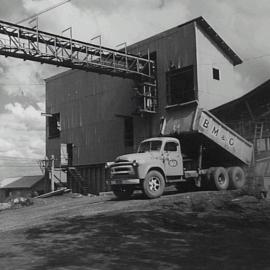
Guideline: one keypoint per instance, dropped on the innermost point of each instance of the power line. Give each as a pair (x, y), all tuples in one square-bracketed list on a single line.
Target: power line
[(17, 158), (43, 11), (24, 84)]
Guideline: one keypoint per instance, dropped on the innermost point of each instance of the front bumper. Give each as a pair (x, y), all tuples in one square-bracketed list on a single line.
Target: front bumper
[(135, 181)]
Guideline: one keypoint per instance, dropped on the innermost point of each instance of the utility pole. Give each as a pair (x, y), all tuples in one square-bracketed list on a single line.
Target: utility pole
[(52, 172)]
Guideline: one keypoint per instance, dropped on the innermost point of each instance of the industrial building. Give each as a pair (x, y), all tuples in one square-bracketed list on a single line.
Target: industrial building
[(24, 186), (95, 117)]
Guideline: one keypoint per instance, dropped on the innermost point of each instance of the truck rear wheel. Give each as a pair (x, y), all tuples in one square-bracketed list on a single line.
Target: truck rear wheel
[(153, 184), (220, 178), (237, 177), (122, 192)]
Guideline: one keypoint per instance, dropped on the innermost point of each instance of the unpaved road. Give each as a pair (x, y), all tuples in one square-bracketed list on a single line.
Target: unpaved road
[(202, 230)]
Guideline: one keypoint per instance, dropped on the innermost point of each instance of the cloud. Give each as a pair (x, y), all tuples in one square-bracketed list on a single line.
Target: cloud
[(24, 78), (12, 11), (114, 19), (22, 131), (29, 116)]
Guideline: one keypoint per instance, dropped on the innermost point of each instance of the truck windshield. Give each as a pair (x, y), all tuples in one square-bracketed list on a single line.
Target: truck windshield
[(149, 146)]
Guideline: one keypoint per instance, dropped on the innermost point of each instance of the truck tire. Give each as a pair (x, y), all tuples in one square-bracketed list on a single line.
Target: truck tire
[(237, 177), (220, 178), (122, 192), (153, 184)]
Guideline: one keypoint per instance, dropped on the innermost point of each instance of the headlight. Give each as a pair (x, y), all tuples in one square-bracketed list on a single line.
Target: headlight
[(108, 165), (134, 163)]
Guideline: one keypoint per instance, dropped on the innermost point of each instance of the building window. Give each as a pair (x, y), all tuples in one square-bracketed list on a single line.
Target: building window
[(54, 125), (180, 85), (128, 132), (216, 74)]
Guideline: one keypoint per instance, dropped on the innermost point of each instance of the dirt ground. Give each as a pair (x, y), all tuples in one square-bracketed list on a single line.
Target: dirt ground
[(199, 230)]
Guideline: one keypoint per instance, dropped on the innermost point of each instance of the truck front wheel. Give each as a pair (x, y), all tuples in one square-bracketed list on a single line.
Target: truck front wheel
[(122, 192), (153, 185), (220, 178)]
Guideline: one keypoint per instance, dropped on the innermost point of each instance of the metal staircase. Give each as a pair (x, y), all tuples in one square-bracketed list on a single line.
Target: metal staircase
[(78, 183)]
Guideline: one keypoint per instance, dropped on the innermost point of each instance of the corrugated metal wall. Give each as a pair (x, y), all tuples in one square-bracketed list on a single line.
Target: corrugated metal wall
[(94, 176), (90, 104)]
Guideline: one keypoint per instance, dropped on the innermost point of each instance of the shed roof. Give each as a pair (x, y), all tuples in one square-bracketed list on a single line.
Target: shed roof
[(23, 182), (251, 95)]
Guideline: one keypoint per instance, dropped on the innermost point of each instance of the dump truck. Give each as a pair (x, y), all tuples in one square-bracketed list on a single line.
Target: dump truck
[(194, 149)]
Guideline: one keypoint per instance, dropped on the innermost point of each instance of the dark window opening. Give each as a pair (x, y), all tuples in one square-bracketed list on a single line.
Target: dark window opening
[(216, 74), (128, 132), (180, 85), (54, 125), (70, 153), (171, 147), (149, 146)]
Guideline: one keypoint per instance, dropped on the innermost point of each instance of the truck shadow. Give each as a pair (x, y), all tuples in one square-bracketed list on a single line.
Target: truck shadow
[(138, 195)]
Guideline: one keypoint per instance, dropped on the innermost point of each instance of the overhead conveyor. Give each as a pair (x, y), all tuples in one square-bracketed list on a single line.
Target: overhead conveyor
[(35, 45)]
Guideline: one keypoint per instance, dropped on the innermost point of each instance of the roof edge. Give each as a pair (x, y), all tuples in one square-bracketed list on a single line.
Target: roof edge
[(249, 93), (218, 40)]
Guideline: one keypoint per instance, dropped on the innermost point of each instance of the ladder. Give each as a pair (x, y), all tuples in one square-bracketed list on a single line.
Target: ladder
[(258, 130), (78, 179), (258, 133)]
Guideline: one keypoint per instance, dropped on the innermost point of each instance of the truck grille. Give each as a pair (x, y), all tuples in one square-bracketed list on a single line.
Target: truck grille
[(122, 170)]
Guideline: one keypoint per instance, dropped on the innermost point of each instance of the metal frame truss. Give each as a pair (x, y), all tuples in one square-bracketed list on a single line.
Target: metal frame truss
[(35, 45), (146, 98)]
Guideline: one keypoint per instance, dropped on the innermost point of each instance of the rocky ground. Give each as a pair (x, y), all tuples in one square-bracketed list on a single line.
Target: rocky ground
[(199, 230)]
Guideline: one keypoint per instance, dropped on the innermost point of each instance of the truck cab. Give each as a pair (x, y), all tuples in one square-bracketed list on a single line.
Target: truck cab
[(168, 154), (157, 162)]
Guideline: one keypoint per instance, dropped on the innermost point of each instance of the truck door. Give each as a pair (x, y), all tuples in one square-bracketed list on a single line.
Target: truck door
[(173, 159)]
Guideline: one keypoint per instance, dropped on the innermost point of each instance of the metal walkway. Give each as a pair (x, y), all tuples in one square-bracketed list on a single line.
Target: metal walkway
[(31, 44)]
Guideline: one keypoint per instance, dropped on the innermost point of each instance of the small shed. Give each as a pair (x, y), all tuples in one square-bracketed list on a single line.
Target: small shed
[(25, 186)]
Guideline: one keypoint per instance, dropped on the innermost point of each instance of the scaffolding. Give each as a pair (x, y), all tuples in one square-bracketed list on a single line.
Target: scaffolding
[(146, 98)]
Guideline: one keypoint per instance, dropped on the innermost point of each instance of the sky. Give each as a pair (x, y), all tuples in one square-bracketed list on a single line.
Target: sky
[(243, 24)]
